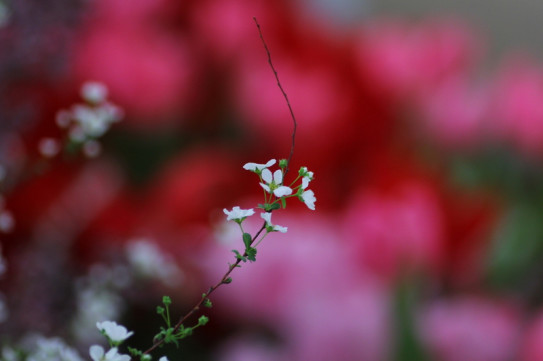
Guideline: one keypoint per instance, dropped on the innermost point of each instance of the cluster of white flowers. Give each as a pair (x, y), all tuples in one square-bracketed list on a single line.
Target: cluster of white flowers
[(272, 183), (87, 122), (39, 348)]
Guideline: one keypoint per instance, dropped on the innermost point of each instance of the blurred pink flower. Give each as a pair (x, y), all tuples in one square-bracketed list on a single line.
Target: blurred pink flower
[(227, 28), (532, 343), (454, 114), (396, 231), (517, 108), (469, 328), (403, 59), (306, 287), (148, 70)]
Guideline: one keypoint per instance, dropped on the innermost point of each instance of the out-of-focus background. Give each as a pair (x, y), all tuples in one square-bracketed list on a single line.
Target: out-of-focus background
[(124, 126)]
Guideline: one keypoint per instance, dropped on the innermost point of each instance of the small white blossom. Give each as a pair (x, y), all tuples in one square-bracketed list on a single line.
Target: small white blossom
[(237, 214), (49, 147), (97, 353), (163, 358), (273, 183), (255, 167), (94, 92), (116, 333), (271, 227), (308, 197), (7, 222)]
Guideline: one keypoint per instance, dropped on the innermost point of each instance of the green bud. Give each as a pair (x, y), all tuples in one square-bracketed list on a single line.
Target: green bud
[(207, 303), (145, 358), (166, 300), (283, 163), (203, 320), (160, 310), (228, 280)]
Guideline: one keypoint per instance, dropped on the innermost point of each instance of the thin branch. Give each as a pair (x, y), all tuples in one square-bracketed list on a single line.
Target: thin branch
[(284, 95), (224, 279)]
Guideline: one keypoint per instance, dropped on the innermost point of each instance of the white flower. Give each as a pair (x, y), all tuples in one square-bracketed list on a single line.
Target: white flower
[(308, 197), (114, 332), (271, 227), (97, 353), (163, 358), (49, 147), (94, 92), (237, 214), (307, 177), (255, 167), (273, 183)]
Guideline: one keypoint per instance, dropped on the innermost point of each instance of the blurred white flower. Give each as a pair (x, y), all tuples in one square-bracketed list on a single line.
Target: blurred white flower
[(49, 147), (149, 261), (4, 312), (97, 353), (255, 167), (7, 222), (308, 197), (116, 333), (94, 92), (52, 349), (238, 214)]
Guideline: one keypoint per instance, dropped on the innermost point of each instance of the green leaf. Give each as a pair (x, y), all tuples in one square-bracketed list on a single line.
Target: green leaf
[(247, 239), (251, 254), (239, 256), (160, 310), (228, 280), (166, 300), (134, 351), (275, 206), (207, 303)]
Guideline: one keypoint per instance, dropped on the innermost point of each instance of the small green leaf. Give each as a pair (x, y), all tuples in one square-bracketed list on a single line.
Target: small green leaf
[(239, 256), (160, 310), (247, 239), (228, 280), (146, 358), (134, 351), (166, 300), (284, 203), (251, 254), (207, 303), (275, 206)]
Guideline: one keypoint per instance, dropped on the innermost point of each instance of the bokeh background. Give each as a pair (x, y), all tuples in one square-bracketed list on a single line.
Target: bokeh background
[(423, 124)]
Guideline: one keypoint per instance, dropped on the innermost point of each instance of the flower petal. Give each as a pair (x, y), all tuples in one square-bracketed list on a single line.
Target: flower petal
[(267, 176), (282, 191)]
